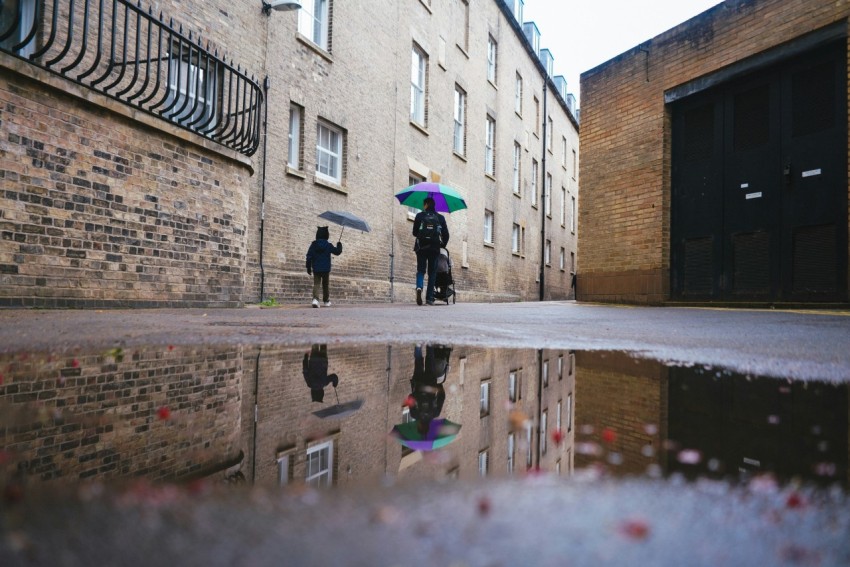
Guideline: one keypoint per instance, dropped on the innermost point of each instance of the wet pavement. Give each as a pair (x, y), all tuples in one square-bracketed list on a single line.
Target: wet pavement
[(512, 434)]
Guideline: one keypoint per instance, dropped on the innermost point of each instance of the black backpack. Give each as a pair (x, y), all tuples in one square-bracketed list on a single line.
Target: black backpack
[(430, 230)]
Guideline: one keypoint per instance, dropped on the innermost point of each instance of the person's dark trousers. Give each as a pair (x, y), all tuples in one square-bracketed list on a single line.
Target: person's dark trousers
[(428, 259), (321, 279)]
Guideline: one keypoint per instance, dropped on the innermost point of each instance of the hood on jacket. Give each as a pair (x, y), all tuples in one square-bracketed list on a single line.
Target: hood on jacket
[(322, 233)]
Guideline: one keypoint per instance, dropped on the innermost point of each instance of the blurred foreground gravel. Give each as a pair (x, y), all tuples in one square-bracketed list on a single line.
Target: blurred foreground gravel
[(538, 520)]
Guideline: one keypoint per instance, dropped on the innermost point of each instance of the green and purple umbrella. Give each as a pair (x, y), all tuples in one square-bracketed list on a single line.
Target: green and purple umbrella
[(440, 433), (446, 199)]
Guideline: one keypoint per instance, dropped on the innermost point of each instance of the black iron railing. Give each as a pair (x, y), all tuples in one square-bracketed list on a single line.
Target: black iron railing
[(116, 48)]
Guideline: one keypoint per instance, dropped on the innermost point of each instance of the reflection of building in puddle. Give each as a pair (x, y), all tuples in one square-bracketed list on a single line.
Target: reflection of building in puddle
[(165, 413), (278, 415), (638, 416), (483, 390)]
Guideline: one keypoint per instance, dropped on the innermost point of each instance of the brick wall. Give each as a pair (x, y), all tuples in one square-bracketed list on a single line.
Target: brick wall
[(103, 206), (624, 218), (623, 395), (70, 416)]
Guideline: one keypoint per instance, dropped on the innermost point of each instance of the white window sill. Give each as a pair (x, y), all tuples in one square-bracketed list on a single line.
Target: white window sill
[(328, 184)]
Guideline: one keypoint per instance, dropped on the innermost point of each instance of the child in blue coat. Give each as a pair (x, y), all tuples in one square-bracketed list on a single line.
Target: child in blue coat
[(319, 263)]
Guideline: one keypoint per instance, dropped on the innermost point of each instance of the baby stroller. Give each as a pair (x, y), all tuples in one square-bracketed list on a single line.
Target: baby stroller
[(444, 286)]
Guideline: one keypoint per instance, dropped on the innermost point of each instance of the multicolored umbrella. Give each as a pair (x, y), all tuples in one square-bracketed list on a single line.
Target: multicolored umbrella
[(440, 433), (446, 199)]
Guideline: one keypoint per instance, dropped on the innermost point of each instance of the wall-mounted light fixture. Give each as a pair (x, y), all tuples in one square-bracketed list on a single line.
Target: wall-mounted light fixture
[(280, 6)]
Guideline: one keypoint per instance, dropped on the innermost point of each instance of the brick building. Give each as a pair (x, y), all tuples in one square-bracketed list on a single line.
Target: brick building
[(169, 158), (715, 160)]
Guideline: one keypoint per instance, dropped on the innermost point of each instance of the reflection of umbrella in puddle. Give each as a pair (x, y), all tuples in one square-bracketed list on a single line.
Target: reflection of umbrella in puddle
[(339, 410), (440, 433)]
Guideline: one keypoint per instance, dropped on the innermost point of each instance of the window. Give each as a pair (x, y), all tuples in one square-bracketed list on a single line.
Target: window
[(460, 121), (514, 385), (464, 45), (550, 133), (563, 207), (569, 412), (488, 227), (314, 22), (529, 434), (511, 452), (534, 173), (418, 78), (572, 262), (484, 399), (558, 416), (544, 431), (517, 172), (536, 116), (562, 263), (320, 459), (329, 153), (547, 253), (413, 179), (22, 27), (296, 137), (285, 461), (560, 367), (490, 147), (483, 462), (491, 59), (564, 152), (545, 373), (547, 195), (572, 363), (518, 240), (518, 95), (575, 168), (573, 215), (192, 89)]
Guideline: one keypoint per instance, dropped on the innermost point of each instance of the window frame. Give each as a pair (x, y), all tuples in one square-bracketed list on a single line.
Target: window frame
[(419, 86), (535, 173), (459, 121), (295, 151), (518, 95), (492, 54), (489, 227), (316, 29), (336, 156), (490, 147), (484, 398), (517, 169), (323, 473)]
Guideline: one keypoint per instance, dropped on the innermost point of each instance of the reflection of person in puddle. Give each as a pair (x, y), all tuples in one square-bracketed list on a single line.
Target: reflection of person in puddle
[(315, 368), (427, 393)]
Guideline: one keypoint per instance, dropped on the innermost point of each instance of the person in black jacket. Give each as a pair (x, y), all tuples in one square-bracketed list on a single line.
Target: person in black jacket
[(432, 233), (427, 392), (319, 263)]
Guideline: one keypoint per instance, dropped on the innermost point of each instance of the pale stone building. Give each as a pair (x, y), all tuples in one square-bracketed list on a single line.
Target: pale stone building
[(179, 158)]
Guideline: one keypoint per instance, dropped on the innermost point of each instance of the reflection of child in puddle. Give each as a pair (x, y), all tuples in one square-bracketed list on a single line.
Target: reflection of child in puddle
[(315, 368)]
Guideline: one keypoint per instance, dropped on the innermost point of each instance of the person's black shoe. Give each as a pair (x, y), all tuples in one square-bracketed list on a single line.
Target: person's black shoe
[(418, 296)]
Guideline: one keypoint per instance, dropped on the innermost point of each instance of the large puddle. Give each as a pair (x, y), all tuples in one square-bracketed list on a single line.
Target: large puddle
[(333, 415)]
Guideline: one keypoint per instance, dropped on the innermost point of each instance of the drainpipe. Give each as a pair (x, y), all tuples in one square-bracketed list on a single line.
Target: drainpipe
[(256, 416), (543, 199), (266, 84)]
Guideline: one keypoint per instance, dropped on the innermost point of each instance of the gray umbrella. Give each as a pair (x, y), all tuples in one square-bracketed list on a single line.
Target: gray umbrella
[(345, 219)]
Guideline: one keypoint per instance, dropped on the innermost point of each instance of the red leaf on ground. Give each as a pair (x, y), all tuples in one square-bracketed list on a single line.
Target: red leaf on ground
[(483, 506), (609, 435), (557, 437), (75, 363), (163, 412), (635, 528), (795, 501)]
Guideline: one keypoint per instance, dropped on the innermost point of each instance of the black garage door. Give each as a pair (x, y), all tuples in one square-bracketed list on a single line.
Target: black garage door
[(759, 180)]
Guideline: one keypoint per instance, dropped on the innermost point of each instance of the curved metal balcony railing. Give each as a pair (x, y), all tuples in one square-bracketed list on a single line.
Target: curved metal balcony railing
[(116, 48)]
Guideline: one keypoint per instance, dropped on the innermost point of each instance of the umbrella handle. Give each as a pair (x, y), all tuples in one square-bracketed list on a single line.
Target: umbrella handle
[(337, 395), (340, 233)]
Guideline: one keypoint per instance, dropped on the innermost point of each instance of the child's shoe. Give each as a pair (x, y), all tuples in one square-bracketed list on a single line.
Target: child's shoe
[(316, 303)]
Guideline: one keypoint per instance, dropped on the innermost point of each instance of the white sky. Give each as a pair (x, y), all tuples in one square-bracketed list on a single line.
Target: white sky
[(582, 34)]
